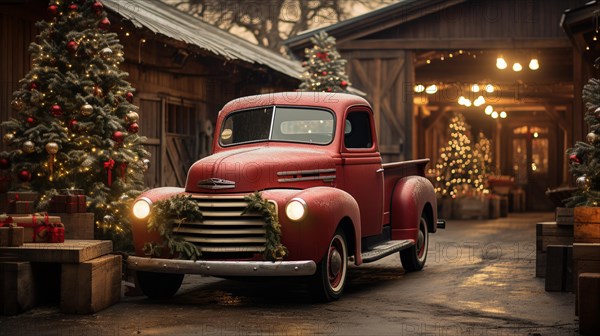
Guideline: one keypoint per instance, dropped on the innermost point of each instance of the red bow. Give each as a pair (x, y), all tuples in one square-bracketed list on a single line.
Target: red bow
[(109, 165)]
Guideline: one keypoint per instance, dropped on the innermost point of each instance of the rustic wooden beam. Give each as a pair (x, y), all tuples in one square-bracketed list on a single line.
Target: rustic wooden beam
[(454, 44)]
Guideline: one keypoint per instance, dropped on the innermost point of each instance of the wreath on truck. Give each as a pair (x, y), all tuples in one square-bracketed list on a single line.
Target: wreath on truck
[(169, 214)]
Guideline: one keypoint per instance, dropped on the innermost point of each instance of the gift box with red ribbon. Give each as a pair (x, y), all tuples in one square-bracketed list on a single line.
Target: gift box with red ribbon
[(37, 227), (14, 197), (68, 201), (10, 234)]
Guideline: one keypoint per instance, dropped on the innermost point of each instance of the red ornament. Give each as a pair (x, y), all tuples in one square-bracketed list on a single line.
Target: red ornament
[(73, 7), (304, 64), (343, 84), (329, 89), (72, 124), (322, 55), (56, 110), (30, 120), (4, 163), (24, 175), (97, 7), (324, 73), (133, 128), (109, 165), (33, 86), (72, 46), (129, 97), (118, 136), (97, 91), (104, 24), (574, 158), (52, 10)]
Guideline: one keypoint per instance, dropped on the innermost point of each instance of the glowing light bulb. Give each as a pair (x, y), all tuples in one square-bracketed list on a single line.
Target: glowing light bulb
[(489, 88), (534, 64), (503, 114), (495, 115), (517, 67), (489, 109), (475, 88), (419, 88), (501, 63), (431, 89)]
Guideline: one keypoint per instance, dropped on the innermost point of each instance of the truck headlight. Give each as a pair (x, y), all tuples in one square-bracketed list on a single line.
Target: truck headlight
[(141, 208), (296, 209)]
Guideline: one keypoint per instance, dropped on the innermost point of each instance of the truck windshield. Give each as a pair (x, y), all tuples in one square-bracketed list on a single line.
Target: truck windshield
[(289, 124)]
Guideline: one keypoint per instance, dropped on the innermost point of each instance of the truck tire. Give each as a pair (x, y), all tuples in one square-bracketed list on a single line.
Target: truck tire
[(159, 285), (413, 259), (327, 284)]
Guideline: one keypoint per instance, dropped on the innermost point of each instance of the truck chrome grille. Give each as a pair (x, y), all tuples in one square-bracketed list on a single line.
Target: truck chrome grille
[(224, 231)]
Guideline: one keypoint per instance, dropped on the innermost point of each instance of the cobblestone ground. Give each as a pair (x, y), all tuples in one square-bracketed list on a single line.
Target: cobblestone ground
[(479, 280)]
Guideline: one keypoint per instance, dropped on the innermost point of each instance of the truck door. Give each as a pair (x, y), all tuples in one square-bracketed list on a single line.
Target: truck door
[(363, 174)]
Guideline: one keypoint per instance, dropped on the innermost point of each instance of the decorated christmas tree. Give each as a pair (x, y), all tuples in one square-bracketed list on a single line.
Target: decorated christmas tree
[(323, 67), (483, 162), (584, 158), (457, 167), (76, 126)]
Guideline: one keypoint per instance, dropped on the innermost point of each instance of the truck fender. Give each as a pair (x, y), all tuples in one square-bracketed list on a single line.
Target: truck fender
[(139, 228), (412, 196), (328, 209)]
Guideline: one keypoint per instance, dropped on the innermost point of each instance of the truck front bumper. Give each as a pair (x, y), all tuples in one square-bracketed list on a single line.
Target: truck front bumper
[(223, 268)]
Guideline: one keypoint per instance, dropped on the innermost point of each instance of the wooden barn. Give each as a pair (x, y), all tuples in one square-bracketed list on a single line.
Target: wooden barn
[(183, 70), (418, 61)]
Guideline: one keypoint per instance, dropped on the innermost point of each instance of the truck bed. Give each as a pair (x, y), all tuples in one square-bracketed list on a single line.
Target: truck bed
[(393, 172)]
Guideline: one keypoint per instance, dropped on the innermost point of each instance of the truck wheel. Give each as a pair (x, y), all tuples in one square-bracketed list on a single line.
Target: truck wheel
[(327, 284), (413, 259), (159, 285)]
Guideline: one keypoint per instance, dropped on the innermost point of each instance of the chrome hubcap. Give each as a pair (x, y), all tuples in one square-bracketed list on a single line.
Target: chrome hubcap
[(335, 263)]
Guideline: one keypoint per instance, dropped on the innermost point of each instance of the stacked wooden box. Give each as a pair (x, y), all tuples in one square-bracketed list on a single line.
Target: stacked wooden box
[(586, 257), (559, 237), (90, 277), (469, 207)]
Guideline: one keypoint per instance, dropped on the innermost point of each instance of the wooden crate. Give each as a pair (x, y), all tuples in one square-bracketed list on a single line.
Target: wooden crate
[(79, 225), (71, 251), (549, 233), (586, 224), (469, 208), (559, 268), (17, 287), (91, 286), (586, 259), (589, 304), (564, 216)]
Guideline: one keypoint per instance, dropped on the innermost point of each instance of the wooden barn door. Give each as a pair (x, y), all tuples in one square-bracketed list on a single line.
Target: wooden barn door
[(387, 77), (185, 128), (151, 126)]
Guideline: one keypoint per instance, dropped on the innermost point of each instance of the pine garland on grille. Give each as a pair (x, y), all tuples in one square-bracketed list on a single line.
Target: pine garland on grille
[(274, 250), (167, 216)]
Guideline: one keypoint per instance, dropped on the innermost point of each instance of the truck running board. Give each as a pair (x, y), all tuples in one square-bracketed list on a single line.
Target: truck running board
[(385, 249)]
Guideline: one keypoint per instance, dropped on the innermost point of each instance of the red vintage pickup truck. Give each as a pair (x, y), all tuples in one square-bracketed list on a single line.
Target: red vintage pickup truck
[(314, 156)]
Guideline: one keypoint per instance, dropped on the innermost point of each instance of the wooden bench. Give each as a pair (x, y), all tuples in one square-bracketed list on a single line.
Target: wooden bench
[(90, 277)]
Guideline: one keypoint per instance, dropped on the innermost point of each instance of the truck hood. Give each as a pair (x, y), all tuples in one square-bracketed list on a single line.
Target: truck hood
[(258, 168)]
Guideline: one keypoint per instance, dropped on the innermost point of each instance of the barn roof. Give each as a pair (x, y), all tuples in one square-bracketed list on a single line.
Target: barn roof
[(400, 12), (164, 19)]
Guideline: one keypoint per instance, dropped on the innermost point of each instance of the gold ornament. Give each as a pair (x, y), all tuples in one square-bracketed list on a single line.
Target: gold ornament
[(86, 110), (592, 137), (132, 117), (28, 147), (106, 53), (582, 182), (17, 104), (52, 148), (8, 138)]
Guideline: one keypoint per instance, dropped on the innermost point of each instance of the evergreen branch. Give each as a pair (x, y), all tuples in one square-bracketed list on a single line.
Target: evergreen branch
[(274, 250)]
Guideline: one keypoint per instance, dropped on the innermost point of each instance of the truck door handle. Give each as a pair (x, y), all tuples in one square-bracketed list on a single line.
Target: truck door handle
[(380, 170)]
